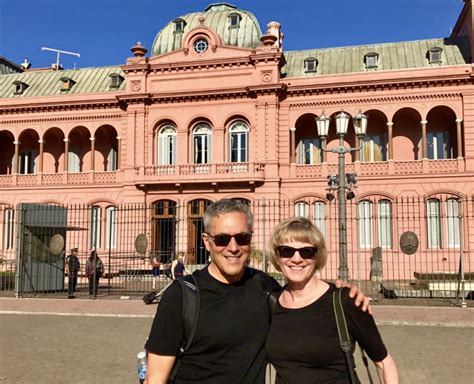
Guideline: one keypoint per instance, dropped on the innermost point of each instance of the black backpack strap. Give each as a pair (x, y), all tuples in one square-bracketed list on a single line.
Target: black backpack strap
[(190, 291), (344, 338), (272, 295)]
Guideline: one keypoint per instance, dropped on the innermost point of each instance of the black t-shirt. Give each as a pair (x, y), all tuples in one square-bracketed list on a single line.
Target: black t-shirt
[(228, 346), (303, 343)]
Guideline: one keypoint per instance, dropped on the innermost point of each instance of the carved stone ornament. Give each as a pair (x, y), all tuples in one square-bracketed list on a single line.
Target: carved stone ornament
[(141, 243), (56, 244), (136, 86), (409, 242)]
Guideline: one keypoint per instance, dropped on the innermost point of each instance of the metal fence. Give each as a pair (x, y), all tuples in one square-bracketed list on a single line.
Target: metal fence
[(436, 264)]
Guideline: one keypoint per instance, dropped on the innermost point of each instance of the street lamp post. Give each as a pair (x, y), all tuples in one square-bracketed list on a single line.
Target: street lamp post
[(360, 127)]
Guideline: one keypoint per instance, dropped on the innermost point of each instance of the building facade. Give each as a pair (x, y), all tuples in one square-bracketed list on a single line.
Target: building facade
[(215, 108)]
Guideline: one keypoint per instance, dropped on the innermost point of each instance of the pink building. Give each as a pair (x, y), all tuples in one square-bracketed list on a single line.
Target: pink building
[(217, 108)]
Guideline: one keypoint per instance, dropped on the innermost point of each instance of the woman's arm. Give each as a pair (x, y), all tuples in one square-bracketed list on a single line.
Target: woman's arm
[(173, 266), (159, 368), (387, 370)]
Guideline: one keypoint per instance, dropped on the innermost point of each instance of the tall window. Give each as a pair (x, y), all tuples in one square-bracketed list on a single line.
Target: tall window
[(309, 151), (439, 146), (433, 217), (202, 143), (384, 223), (317, 214), (374, 148), (27, 162), (375, 222), (453, 223), (238, 133), (166, 145), (74, 160), (95, 221), (110, 228), (112, 159), (8, 228), (365, 224)]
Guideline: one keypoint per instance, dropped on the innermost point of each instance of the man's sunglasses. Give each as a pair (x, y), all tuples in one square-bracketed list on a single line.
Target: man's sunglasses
[(305, 252), (223, 239)]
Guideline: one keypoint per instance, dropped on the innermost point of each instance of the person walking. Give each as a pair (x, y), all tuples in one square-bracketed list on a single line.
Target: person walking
[(234, 317), (73, 266), (94, 271), (178, 267)]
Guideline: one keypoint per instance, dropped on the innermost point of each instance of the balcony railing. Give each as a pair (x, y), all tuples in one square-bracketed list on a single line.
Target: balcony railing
[(382, 168), (228, 172), (49, 179), (217, 172)]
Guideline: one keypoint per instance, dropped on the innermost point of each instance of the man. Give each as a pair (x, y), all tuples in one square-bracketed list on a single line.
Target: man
[(228, 346), (72, 269)]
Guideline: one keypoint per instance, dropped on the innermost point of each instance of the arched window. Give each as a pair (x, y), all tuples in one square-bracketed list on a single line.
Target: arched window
[(202, 134), (112, 164), (238, 135), (375, 222), (317, 214), (111, 227), (166, 145)]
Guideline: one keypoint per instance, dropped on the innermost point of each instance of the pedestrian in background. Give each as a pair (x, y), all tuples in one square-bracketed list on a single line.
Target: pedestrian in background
[(178, 266), (73, 266), (94, 271), (155, 268)]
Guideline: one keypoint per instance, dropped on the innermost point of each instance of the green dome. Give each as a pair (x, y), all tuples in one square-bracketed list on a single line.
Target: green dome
[(235, 26)]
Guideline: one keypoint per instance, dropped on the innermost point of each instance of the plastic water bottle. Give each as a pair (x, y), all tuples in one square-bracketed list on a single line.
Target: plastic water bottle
[(142, 366)]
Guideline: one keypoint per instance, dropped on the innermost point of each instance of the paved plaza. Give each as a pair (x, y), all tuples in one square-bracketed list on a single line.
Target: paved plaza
[(96, 341)]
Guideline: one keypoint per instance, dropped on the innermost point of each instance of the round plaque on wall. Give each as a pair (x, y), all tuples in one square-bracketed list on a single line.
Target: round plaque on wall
[(141, 243), (56, 244), (409, 242)]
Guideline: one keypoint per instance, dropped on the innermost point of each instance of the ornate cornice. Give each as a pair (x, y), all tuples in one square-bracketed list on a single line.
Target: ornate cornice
[(374, 100), (318, 88), (55, 119), (59, 106)]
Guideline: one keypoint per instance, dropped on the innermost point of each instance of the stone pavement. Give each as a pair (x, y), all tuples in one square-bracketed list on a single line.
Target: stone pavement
[(96, 341)]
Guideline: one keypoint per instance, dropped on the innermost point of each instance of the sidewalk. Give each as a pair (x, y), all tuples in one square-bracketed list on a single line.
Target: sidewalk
[(115, 307)]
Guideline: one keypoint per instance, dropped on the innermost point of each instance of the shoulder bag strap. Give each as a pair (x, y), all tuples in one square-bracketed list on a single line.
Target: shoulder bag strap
[(190, 291), (272, 296), (344, 339)]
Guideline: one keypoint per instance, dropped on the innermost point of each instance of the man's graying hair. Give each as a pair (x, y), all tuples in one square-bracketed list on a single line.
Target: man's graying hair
[(223, 206)]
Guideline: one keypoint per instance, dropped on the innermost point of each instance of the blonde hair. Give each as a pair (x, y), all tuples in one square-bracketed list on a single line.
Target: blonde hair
[(301, 230)]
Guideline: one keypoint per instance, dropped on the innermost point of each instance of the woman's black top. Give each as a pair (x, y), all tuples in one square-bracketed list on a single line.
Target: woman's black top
[(303, 343)]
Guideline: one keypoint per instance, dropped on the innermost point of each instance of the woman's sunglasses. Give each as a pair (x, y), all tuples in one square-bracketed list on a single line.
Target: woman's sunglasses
[(223, 239), (305, 252)]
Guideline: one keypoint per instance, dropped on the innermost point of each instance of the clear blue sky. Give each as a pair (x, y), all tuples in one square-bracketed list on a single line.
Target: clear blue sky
[(103, 31)]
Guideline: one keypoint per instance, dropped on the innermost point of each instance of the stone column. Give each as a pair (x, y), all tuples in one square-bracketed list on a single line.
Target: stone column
[(292, 145), (424, 141), (119, 151), (390, 140), (66, 155), (41, 148), (16, 162), (92, 139), (459, 137), (357, 153)]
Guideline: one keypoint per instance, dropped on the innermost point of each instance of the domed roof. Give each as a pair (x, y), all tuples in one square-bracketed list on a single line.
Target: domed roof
[(235, 26)]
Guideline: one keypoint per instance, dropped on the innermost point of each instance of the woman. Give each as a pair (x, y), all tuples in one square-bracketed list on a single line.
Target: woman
[(94, 271), (178, 269), (303, 342)]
